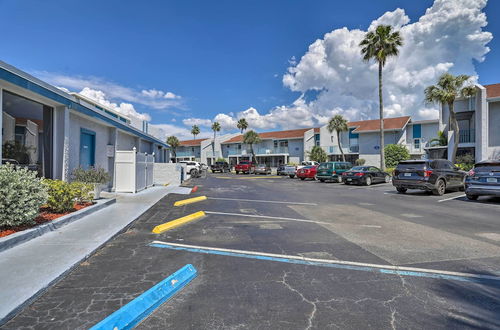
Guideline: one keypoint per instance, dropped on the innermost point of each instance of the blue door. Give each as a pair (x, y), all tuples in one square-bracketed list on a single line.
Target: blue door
[(87, 148)]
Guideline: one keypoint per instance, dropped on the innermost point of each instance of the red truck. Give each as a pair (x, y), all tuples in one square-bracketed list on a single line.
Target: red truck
[(245, 167)]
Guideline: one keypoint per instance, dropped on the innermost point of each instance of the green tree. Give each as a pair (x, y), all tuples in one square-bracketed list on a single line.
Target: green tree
[(339, 124), (445, 92), (379, 45), (317, 154), (174, 143), (250, 138), (195, 130), (242, 125), (215, 128), (394, 153), (440, 140)]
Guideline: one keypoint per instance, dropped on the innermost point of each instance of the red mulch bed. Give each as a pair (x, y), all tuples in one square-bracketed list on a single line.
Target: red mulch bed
[(45, 216)]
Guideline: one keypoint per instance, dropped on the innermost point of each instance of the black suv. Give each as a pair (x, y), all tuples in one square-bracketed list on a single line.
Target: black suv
[(434, 175), (222, 167)]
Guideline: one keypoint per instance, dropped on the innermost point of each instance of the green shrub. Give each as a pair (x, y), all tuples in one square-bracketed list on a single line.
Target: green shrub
[(92, 175), (394, 153), (360, 162), (390, 170), (465, 162), (61, 196), (82, 192), (220, 159), (317, 154), (21, 195)]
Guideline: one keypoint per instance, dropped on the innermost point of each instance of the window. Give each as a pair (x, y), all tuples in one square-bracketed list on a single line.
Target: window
[(416, 143), (275, 144)]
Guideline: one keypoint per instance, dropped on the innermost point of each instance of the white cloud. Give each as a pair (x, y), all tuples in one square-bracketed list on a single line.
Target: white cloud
[(153, 98), (197, 121)]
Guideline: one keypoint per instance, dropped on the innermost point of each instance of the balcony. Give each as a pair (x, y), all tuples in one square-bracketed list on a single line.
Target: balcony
[(210, 154), (237, 152), (271, 151), (467, 136), (185, 154), (335, 150)]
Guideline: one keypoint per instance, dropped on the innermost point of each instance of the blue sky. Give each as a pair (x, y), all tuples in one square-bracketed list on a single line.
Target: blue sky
[(216, 57)]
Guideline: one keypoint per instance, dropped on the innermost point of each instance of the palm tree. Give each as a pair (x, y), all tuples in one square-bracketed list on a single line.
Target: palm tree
[(318, 154), (174, 143), (251, 138), (339, 124), (379, 45), (215, 128), (440, 140), (195, 130), (242, 125), (447, 89)]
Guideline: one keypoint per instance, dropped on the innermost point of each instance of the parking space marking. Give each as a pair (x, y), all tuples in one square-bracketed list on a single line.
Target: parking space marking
[(249, 177), (178, 222), (267, 217), (190, 200), (341, 264), (261, 201), (451, 198)]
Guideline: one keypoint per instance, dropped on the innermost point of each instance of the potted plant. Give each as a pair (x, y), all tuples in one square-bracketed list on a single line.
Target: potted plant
[(94, 175)]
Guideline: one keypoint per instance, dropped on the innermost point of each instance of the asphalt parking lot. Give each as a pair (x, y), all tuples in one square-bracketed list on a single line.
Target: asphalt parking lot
[(359, 234)]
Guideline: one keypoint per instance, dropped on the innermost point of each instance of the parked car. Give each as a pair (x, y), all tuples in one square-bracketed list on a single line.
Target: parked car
[(307, 163), (262, 169), (281, 169), (365, 175), (222, 167), (245, 167), (332, 171), (483, 180), (307, 172), (191, 167), (203, 166), (435, 176), (290, 170)]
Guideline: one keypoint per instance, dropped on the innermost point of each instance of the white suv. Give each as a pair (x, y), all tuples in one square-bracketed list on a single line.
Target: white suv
[(191, 166)]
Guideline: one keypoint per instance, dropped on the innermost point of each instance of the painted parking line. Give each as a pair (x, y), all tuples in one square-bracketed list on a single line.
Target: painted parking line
[(190, 200), (342, 264), (451, 198), (260, 201), (249, 177), (141, 307), (178, 222)]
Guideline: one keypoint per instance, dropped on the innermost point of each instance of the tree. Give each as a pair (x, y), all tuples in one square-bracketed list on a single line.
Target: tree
[(242, 125), (339, 124), (379, 45), (250, 138), (317, 154), (215, 128), (195, 130), (447, 89), (174, 143), (440, 140), (394, 153)]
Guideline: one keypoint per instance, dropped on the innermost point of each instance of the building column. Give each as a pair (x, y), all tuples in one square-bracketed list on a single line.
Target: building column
[(60, 138), (1, 121)]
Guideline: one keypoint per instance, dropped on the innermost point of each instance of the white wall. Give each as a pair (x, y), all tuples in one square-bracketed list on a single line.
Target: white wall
[(126, 141)]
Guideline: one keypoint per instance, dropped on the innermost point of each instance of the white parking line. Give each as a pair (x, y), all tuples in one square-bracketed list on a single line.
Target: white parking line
[(261, 201), (449, 199)]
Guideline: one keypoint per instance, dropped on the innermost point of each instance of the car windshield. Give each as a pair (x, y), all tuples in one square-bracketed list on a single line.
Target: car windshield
[(309, 166), (324, 166), (262, 165), (359, 168), (490, 167), (411, 165)]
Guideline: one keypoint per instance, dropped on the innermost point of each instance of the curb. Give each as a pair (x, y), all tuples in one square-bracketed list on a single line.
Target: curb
[(12, 240), (178, 222), (141, 307), (190, 200)]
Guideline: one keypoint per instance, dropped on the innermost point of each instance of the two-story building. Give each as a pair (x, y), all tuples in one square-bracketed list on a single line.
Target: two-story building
[(189, 150)]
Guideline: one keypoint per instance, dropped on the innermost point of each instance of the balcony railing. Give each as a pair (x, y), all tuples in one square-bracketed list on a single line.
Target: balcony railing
[(335, 150), (467, 136), (210, 154), (238, 152), (271, 151), (185, 154)]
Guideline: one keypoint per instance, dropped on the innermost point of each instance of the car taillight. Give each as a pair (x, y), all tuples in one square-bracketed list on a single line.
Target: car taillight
[(359, 174), (344, 174), (427, 173), (334, 172)]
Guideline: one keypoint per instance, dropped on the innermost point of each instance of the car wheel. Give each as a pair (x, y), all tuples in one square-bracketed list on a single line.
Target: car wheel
[(461, 188), (368, 181), (401, 190), (292, 176), (387, 179), (440, 188), (302, 179), (347, 183), (472, 197), (192, 172), (237, 172)]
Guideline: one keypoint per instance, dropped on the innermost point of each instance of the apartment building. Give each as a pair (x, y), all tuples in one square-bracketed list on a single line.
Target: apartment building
[(479, 124), (189, 150), (58, 132)]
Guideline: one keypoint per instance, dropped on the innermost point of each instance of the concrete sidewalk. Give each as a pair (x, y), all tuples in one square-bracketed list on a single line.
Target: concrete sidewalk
[(28, 269)]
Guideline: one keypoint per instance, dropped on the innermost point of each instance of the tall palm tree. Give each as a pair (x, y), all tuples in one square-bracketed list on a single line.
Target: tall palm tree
[(174, 143), (242, 125), (447, 89), (250, 138), (195, 130), (379, 45), (215, 128), (339, 124)]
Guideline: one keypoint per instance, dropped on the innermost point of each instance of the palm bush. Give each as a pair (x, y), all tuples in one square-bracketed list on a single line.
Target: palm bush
[(317, 154), (21, 195)]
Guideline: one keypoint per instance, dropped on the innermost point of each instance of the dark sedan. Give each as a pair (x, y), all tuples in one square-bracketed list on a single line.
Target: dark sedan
[(365, 175), (483, 180)]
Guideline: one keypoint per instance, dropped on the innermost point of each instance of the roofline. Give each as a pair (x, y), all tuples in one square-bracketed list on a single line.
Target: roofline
[(94, 102), (426, 121), (37, 86)]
